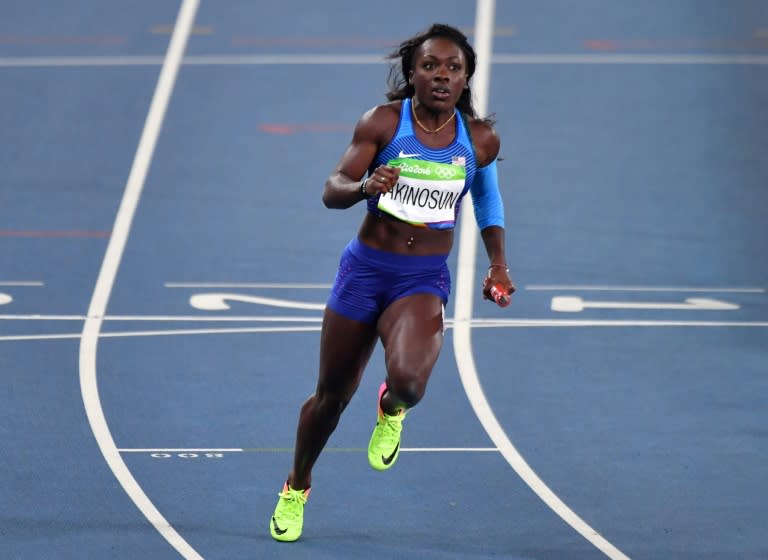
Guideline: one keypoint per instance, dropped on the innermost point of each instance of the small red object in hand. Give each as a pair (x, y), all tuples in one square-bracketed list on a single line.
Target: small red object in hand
[(500, 296)]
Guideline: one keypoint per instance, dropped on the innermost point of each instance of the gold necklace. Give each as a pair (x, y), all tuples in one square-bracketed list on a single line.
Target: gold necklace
[(424, 128)]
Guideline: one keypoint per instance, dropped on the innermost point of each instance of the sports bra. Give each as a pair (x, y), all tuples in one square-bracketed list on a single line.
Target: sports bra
[(432, 182)]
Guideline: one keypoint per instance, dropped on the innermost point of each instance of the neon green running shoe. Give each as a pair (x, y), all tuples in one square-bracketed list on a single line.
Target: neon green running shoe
[(384, 447), (288, 519)]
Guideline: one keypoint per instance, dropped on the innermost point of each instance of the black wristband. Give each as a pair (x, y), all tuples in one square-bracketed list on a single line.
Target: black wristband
[(362, 189)]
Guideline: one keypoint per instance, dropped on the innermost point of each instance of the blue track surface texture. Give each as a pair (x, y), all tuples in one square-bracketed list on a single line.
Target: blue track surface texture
[(151, 393)]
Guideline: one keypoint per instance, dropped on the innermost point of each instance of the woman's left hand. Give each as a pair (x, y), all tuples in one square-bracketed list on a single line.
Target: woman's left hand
[(498, 286)]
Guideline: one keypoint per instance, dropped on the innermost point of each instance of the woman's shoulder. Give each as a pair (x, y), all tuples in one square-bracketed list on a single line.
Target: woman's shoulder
[(485, 140), (381, 120), (384, 113)]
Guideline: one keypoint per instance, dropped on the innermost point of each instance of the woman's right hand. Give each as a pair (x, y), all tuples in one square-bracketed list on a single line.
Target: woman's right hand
[(381, 180)]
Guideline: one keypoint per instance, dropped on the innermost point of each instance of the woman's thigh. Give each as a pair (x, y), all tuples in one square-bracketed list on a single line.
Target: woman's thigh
[(411, 331), (345, 348)]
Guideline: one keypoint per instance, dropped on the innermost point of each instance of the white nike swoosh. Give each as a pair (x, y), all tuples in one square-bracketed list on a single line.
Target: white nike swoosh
[(401, 154)]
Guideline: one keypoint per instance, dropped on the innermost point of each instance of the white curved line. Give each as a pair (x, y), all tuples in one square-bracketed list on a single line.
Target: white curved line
[(463, 315), (105, 281)]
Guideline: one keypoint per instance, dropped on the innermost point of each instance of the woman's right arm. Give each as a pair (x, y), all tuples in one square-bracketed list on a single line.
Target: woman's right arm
[(343, 187)]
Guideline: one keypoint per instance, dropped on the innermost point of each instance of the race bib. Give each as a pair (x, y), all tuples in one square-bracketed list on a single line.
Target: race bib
[(426, 193)]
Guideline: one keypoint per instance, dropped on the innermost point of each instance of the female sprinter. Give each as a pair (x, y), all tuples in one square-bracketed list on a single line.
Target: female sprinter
[(411, 161)]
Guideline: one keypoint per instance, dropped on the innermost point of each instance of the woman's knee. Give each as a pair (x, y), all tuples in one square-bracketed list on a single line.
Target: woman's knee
[(329, 402), (406, 390)]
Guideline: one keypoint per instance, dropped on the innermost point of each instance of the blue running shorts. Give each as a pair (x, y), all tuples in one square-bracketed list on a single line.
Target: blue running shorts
[(368, 280)]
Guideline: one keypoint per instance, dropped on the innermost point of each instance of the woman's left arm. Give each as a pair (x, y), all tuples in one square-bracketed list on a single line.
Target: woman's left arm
[(489, 208)]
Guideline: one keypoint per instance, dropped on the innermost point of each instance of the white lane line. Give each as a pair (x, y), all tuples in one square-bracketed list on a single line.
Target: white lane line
[(169, 318), (589, 288), (282, 286), (580, 323), (462, 324), (21, 283), (177, 332), (281, 59), (220, 318), (108, 272), (78, 61), (24, 337), (366, 59), (475, 323), (449, 449), (192, 60), (36, 317), (290, 449), (182, 450), (628, 59)]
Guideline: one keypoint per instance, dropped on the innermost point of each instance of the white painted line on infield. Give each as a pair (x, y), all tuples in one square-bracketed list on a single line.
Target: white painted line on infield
[(108, 272), (463, 315)]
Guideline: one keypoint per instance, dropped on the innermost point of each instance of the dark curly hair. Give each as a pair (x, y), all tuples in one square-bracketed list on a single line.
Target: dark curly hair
[(399, 88)]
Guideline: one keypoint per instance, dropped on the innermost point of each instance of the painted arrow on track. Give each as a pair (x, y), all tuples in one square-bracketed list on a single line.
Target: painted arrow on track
[(573, 304), (218, 302)]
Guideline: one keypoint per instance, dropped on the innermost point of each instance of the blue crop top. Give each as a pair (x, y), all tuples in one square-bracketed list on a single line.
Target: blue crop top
[(432, 181)]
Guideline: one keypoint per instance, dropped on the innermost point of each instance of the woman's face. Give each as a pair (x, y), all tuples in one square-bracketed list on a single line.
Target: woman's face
[(439, 73)]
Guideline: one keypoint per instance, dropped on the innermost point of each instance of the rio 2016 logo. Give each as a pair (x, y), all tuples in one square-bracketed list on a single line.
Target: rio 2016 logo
[(443, 172)]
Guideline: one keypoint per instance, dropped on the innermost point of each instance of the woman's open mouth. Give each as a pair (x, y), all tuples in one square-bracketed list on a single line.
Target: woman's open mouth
[(441, 93)]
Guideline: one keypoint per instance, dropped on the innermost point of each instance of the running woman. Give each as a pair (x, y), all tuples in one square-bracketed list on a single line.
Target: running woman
[(411, 161)]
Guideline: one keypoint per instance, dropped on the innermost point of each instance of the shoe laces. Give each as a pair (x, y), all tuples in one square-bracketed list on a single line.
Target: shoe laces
[(293, 501), (391, 428)]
